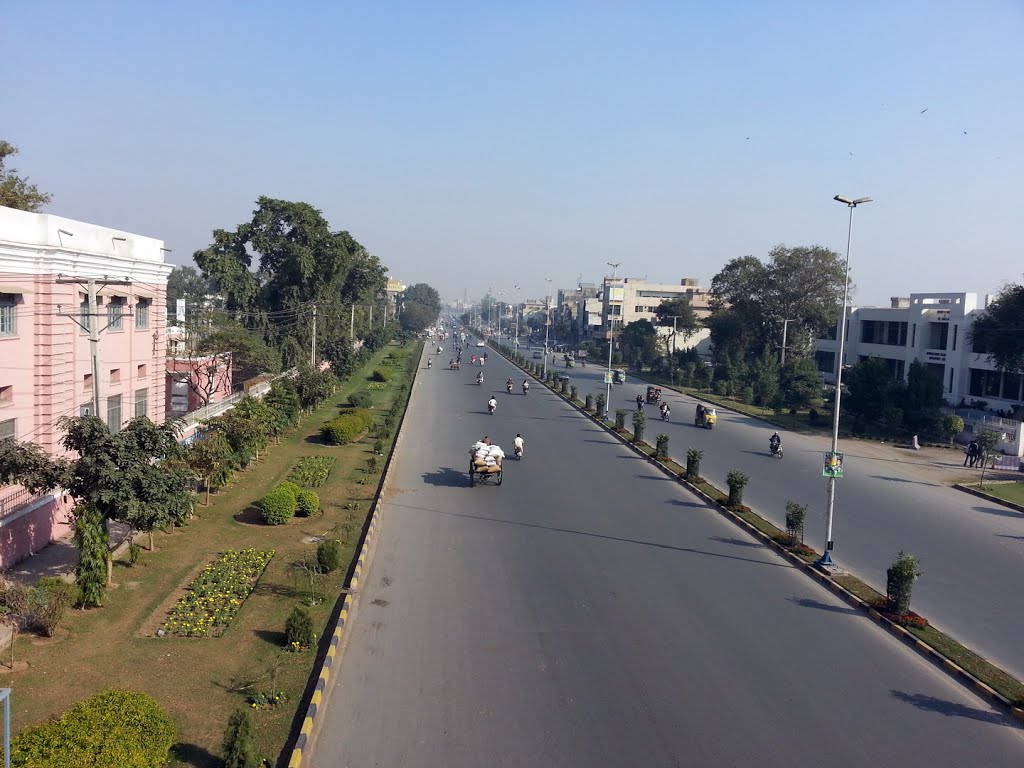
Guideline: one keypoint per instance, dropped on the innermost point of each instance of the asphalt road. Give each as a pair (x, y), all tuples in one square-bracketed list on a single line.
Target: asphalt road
[(971, 551), (590, 612)]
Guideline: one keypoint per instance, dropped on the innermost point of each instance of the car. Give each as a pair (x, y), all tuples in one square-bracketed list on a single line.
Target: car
[(537, 354), (481, 344)]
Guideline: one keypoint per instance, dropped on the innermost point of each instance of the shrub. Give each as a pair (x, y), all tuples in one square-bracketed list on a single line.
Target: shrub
[(52, 596), (693, 460), (602, 403), (588, 404), (291, 487), (278, 506), (360, 400), (298, 630), (312, 471), (639, 422), (952, 426), (795, 516), (620, 420), (307, 503), (134, 551), (239, 749), (381, 374), (378, 447), (113, 729), (572, 393), (389, 422), (737, 481), (565, 386), (899, 580), (347, 427), (661, 450), (328, 555), (371, 465)]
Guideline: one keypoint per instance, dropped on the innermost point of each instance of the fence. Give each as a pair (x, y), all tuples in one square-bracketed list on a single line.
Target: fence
[(1011, 435)]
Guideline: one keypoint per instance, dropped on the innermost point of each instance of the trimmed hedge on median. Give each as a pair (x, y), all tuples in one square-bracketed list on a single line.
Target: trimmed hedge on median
[(347, 427)]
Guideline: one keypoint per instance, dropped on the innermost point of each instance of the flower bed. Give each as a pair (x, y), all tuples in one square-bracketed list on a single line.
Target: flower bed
[(376, 385), (217, 593), (311, 471)]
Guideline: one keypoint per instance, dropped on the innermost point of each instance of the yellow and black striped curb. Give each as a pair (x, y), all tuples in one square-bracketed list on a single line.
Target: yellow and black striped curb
[(922, 648), (366, 549), (988, 497)]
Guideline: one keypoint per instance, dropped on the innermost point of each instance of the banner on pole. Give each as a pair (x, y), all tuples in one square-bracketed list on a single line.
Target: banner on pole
[(833, 466)]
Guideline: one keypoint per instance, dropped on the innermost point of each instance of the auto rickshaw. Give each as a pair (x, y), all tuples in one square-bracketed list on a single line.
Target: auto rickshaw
[(570, 362), (653, 394), (619, 376)]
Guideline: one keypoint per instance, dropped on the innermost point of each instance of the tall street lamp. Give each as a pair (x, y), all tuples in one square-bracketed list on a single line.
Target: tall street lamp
[(517, 317), (785, 323), (826, 559), (547, 323), (611, 334)]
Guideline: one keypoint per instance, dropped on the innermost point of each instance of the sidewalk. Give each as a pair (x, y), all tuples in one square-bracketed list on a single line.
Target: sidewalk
[(59, 558)]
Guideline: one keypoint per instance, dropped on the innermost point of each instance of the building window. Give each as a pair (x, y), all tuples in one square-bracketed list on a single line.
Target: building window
[(938, 335), (6, 395), (142, 313), (141, 402), (140, 371), (115, 313), (8, 317), (87, 383), (115, 375), (8, 429), (826, 361), (84, 318), (114, 413), (956, 328)]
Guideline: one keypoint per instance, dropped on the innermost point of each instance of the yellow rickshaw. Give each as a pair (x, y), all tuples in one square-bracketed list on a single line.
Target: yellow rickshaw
[(619, 376)]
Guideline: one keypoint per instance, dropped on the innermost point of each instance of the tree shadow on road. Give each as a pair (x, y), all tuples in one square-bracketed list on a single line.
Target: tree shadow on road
[(446, 477), (999, 512), (736, 542), (903, 480), (807, 602), (949, 708)]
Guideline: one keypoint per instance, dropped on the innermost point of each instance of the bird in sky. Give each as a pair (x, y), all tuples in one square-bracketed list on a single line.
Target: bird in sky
[(923, 111)]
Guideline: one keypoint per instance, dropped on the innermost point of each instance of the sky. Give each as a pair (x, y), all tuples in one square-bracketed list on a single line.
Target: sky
[(488, 145)]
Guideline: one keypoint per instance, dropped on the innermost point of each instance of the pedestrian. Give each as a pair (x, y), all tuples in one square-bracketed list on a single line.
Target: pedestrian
[(972, 454), (639, 402)]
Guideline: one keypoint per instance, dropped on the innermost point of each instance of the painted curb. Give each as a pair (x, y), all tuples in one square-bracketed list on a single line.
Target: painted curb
[(366, 549), (922, 648), (988, 497)]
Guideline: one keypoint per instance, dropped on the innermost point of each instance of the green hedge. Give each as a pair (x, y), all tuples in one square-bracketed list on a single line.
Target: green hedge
[(381, 374), (347, 427), (113, 729), (307, 503), (360, 400), (279, 505)]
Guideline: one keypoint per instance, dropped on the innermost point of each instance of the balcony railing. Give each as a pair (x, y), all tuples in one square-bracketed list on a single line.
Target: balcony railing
[(11, 500)]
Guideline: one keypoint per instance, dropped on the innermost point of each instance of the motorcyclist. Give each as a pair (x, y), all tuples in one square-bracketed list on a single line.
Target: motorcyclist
[(526, 386), (480, 378), (518, 445), (492, 404), (700, 413), (508, 385), (430, 363), (666, 412), (774, 442)]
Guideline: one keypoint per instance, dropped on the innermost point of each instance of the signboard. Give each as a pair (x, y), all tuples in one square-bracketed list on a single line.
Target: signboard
[(833, 466), (607, 377), (616, 293), (179, 310)]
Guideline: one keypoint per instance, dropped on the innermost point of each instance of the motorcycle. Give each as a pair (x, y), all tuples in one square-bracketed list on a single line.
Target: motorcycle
[(430, 363), (518, 452), (776, 451), (526, 388), (509, 387), (479, 379), (490, 408), (666, 414)]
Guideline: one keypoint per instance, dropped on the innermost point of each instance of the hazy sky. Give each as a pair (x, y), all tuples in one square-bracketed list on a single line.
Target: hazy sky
[(477, 143)]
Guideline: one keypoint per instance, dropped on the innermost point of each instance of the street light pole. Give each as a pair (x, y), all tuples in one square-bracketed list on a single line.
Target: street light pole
[(547, 323), (611, 335), (517, 318), (826, 558), (785, 324)]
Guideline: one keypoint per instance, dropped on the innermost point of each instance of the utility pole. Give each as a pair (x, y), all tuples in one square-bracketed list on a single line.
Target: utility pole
[(785, 327), (674, 318), (92, 327), (312, 352), (371, 315), (611, 334), (352, 324)]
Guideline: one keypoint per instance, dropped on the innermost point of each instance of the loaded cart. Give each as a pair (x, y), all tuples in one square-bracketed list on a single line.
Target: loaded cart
[(485, 464)]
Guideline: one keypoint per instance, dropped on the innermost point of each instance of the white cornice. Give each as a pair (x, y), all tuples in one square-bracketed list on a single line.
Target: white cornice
[(23, 259)]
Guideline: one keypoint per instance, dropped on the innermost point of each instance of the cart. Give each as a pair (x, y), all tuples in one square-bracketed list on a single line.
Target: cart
[(484, 474), (653, 394)]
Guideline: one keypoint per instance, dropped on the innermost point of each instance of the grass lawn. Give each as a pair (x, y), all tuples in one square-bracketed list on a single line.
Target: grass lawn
[(1008, 491), (200, 681)]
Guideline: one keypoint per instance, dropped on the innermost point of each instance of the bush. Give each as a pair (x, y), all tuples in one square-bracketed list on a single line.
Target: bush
[(899, 580), (307, 503), (134, 551), (795, 516), (381, 374), (360, 400), (239, 749), (378, 447), (693, 460), (952, 426), (372, 465), (639, 422), (620, 420), (347, 427), (52, 596), (572, 393), (278, 506), (661, 450), (312, 471), (602, 403), (113, 729), (588, 404), (328, 555), (737, 481), (298, 630)]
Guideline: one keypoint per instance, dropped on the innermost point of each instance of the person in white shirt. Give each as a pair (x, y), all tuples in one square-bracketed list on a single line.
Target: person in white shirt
[(518, 445), (492, 404)]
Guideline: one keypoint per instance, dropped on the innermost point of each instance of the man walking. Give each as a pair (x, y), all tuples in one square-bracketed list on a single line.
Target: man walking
[(972, 454)]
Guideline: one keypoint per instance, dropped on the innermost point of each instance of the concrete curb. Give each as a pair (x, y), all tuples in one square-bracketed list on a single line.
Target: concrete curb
[(988, 497), (348, 608), (922, 648)]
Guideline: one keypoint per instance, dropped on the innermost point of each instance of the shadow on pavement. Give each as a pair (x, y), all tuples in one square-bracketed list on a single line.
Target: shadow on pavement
[(447, 477), (807, 602), (903, 480), (949, 708), (736, 542), (999, 512)]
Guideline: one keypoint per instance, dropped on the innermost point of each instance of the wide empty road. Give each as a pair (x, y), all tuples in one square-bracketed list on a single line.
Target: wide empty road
[(971, 551), (590, 612)]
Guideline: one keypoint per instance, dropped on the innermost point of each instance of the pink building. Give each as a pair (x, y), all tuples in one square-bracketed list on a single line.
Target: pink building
[(47, 264), (194, 380)]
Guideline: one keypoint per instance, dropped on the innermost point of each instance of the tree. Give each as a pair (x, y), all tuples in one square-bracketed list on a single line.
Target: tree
[(283, 400), (801, 383), (677, 313), (952, 426), (210, 457), (425, 296), (763, 378), (250, 354), (988, 441), (415, 317), (639, 342), (921, 399), (871, 390), (999, 333), (186, 283), (15, 191), (239, 741), (312, 386)]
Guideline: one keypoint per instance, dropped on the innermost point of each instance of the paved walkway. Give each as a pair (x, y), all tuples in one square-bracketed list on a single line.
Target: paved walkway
[(58, 558)]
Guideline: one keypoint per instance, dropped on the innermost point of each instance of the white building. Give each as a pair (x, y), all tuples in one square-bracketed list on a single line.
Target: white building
[(932, 328), (627, 299)]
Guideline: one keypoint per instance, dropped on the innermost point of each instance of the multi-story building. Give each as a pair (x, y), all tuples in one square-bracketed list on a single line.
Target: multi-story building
[(933, 329), (48, 371), (571, 304), (627, 299)]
